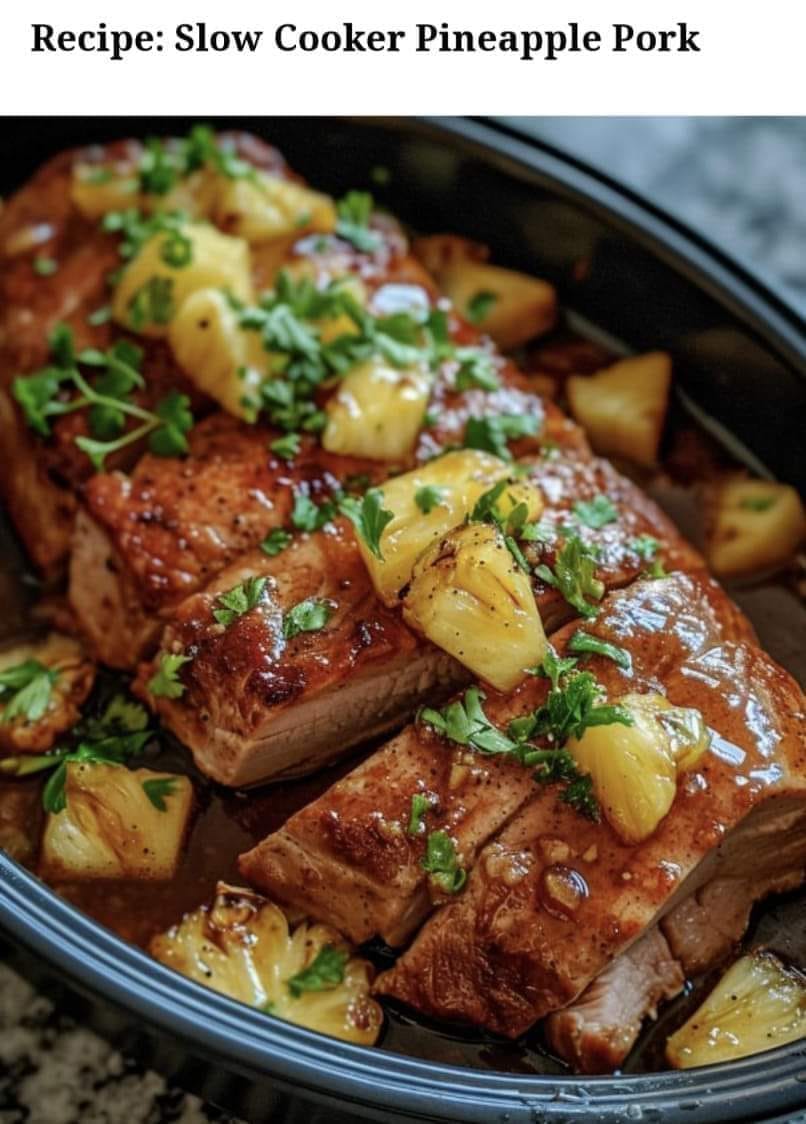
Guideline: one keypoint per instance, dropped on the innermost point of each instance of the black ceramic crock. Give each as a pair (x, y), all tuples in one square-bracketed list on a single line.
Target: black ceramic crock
[(741, 364)]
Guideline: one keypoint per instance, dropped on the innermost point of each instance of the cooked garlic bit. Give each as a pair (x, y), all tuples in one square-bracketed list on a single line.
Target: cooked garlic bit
[(461, 477), (118, 823), (635, 768), (469, 596), (242, 946), (377, 411), (261, 208), (151, 290), (224, 360), (759, 1003), (622, 409), (72, 674), (754, 525)]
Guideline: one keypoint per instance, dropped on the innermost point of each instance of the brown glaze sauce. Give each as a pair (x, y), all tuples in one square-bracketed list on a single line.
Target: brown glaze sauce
[(226, 822)]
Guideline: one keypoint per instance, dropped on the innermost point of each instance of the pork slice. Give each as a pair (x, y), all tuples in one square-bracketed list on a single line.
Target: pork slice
[(555, 898), (596, 1033), (349, 858)]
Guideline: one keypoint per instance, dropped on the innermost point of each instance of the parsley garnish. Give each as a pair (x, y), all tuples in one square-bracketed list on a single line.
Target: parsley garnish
[(100, 316), (757, 503), (238, 600), (420, 804), (428, 497), (157, 789), (596, 513), (308, 516), (325, 972), (165, 683), (656, 570), (45, 267), (354, 212), (442, 863), (310, 615), (286, 447), (573, 576), (177, 250), (25, 690), (480, 305), (369, 517), (583, 643), (476, 369), (153, 303), (492, 434), (275, 542), (465, 723), (645, 546)]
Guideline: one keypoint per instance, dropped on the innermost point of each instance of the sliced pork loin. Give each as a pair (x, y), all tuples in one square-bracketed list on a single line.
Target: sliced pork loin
[(348, 858), (367, 688), (538, 922)]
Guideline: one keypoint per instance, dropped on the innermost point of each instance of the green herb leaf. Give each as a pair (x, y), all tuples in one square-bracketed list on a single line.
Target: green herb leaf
[(177, 250), (354, 212), (442, 863), (476, 369), (428, 497), (54, 794), (584, 643), (165, 683), (153, 303), (480, 306), (574, 576), (757, 503), (369, 517), (645, 546), (596, 513), (229, 606), (276, 542), (26, 690), (492, 434), (100, 316), (176, 420), (308, 516), (420, 804), (465, 723), (656, 570), (325, 972), (286, 447), (310, 615), (45, 267), (157, 789)]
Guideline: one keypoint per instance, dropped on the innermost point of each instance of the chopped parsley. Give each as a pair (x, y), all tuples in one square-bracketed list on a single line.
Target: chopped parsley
[(757, 503), (441, 862), (235, 602), (157, 789), (177, 250), (310, 615), (480, 306), (656, 570), (325, 972), (164, 164), (596, 513), (582, 643), (309, 516), (354, 213), (153, 303), (276, 542), (420, 805), (645, 546), (100, 316), (476, 369), (135, 228), (45, 267), (428, 497), (574, 576), (26, 690), (491, 434), (369, 517), (465, 723), (286, 447), (165, 682)]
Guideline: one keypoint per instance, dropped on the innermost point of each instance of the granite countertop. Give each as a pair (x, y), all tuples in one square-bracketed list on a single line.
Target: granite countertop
[(743, 183)]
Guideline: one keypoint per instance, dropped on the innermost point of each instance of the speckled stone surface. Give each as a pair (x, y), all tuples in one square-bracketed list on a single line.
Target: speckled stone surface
[(743, 183)]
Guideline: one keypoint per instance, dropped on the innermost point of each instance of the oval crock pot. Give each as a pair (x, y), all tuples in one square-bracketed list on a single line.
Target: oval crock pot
[(740, 354)]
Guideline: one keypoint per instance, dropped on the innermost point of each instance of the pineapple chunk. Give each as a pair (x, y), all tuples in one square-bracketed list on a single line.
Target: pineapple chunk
[(622, 409), (65, 676), (112, 828), (755, 525), (193, 195), (151, 290), (635, 768), (469, 596), (511, 307), (242, 946), (263, 207), (95, 190), (377, 411), (759, 1003), (221, 358), (461, 477)]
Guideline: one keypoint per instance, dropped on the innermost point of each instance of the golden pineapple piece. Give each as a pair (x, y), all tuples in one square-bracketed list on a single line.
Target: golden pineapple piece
[(264, 207), (117, 823), (332, 327), (44, 682), (634, 768), (95, 189), (460, 478), (242, 946), (758, 1004), (224, 360), (754, 525), (622, 409), (170, 266), (194, 195), (511, 307), (377, 411), (469, 596)]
